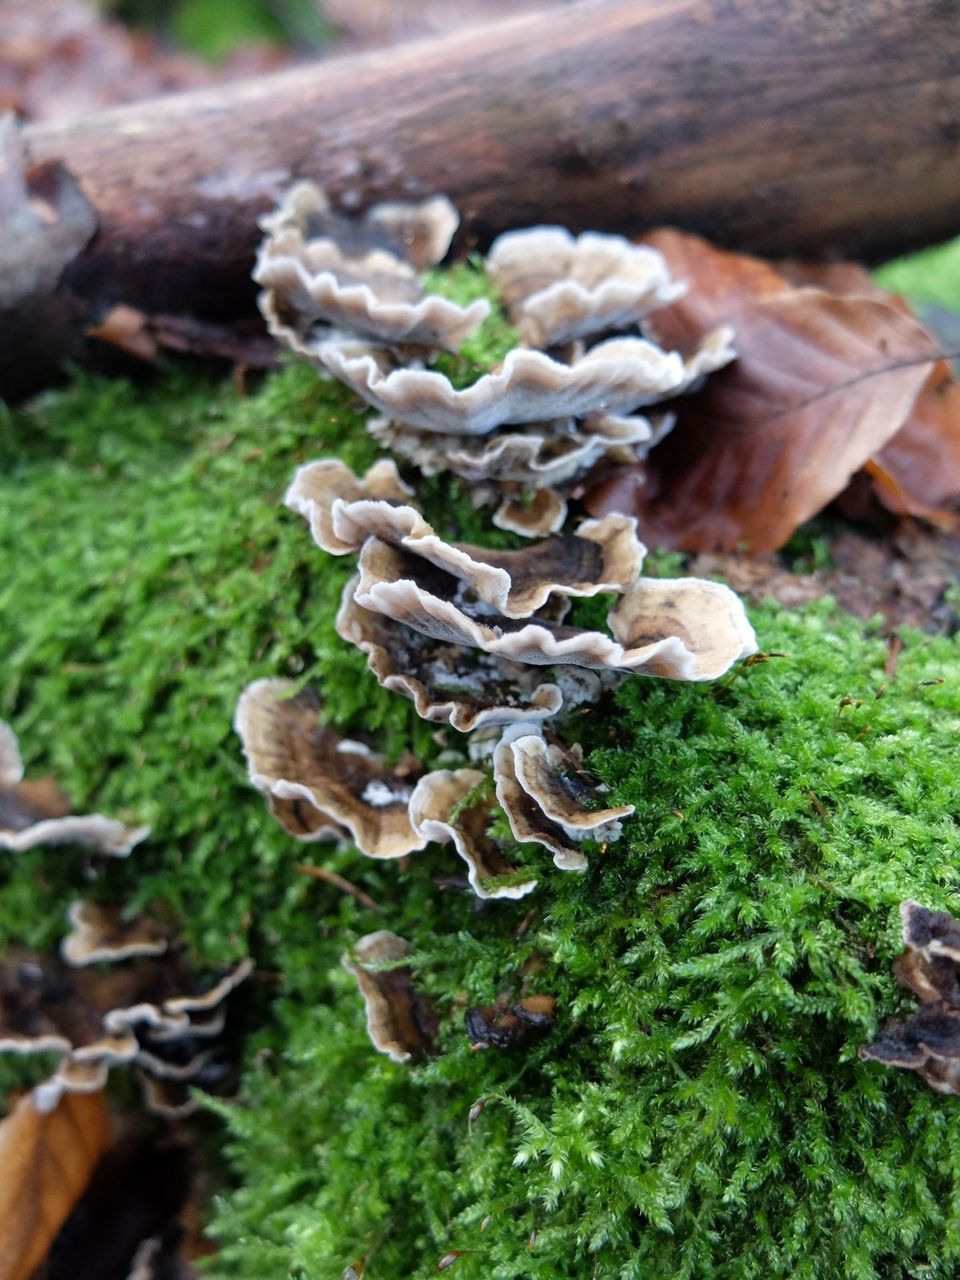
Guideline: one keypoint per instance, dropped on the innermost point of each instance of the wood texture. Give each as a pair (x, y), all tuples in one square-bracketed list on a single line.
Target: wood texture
[(807, 127)]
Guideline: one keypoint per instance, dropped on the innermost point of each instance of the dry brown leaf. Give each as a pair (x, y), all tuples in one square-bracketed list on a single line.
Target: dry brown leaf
[(922, 462), (46, 1162), (918, 472), (821, 385)]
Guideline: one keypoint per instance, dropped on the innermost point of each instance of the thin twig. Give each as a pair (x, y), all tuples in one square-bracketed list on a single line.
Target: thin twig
[(331, 877)]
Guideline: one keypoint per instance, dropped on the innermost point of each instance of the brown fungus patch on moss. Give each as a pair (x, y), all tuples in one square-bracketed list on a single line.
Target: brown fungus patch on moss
[(292, 756), (455, 806), (104, 933), (505, 1025), (35, 811), (400, 1021), (928, 1041)]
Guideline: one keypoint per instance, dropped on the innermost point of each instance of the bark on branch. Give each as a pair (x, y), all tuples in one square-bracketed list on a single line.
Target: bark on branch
[(804, 127)]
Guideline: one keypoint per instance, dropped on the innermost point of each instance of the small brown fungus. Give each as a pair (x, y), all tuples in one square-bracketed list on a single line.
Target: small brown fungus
[(927, 1041), (544, 791), (557, 287), (292, 756), (502, 1025), (320, 272), (400, 1021), (451, 805), (35, 812), (101, 933), (150, 1012)]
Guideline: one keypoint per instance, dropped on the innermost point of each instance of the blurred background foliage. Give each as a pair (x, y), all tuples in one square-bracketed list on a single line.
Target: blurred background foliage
[(215, 28)]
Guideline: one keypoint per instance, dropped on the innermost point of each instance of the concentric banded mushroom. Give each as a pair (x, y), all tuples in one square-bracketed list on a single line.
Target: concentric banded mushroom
[(459, 629), (449, 805), (321, 271), (400, 1021), (682, 629), (557, 287), (36, 812), (928, 1041), (544, 791), (446, 683), (344, 293), (616, 376), (292, 756), (602, 555)]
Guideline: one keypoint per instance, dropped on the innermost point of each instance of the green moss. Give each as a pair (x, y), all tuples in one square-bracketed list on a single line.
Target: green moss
[(488, 345), (698, 1110), (932, 275)]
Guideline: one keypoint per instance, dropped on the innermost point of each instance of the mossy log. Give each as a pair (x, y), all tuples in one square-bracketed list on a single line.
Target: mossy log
[(809, 128)]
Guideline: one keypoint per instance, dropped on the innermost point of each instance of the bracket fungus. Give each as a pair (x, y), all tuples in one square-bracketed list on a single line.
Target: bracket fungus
[(150, 1011), (476, 637), (615, 376), (344, 293), (557, 287), (449, 805), (544, 792), (601, 555), (928, 1041), (400, 1021), (322, 272), (34, 811), (337, 786), (680, 629), (460, 687), (102, 933)]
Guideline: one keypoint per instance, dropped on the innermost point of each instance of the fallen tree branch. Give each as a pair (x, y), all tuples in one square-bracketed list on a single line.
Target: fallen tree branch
[(806, 128)]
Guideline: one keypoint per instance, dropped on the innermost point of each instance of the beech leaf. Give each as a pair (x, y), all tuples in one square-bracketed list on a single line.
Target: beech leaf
[(47, 1160), (920, 466), (918, 472), (822, 383)]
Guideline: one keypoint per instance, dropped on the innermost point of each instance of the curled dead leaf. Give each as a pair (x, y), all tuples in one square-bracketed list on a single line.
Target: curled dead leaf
[(823, 382), (47, 1161)]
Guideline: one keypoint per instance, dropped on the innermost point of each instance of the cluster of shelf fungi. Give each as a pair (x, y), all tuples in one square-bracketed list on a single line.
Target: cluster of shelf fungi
[(476, 638), (148, 1009)]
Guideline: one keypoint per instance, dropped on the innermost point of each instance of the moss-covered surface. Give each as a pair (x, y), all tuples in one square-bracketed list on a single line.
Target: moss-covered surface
[(698, 1109)]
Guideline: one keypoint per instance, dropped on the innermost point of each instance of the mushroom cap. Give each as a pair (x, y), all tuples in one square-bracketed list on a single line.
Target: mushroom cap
[(616, 376), (400, 1021), (558, 287), (291, 755), (440, 811)]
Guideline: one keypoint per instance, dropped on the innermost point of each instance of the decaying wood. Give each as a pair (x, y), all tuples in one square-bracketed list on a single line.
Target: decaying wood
[(803, 128)]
